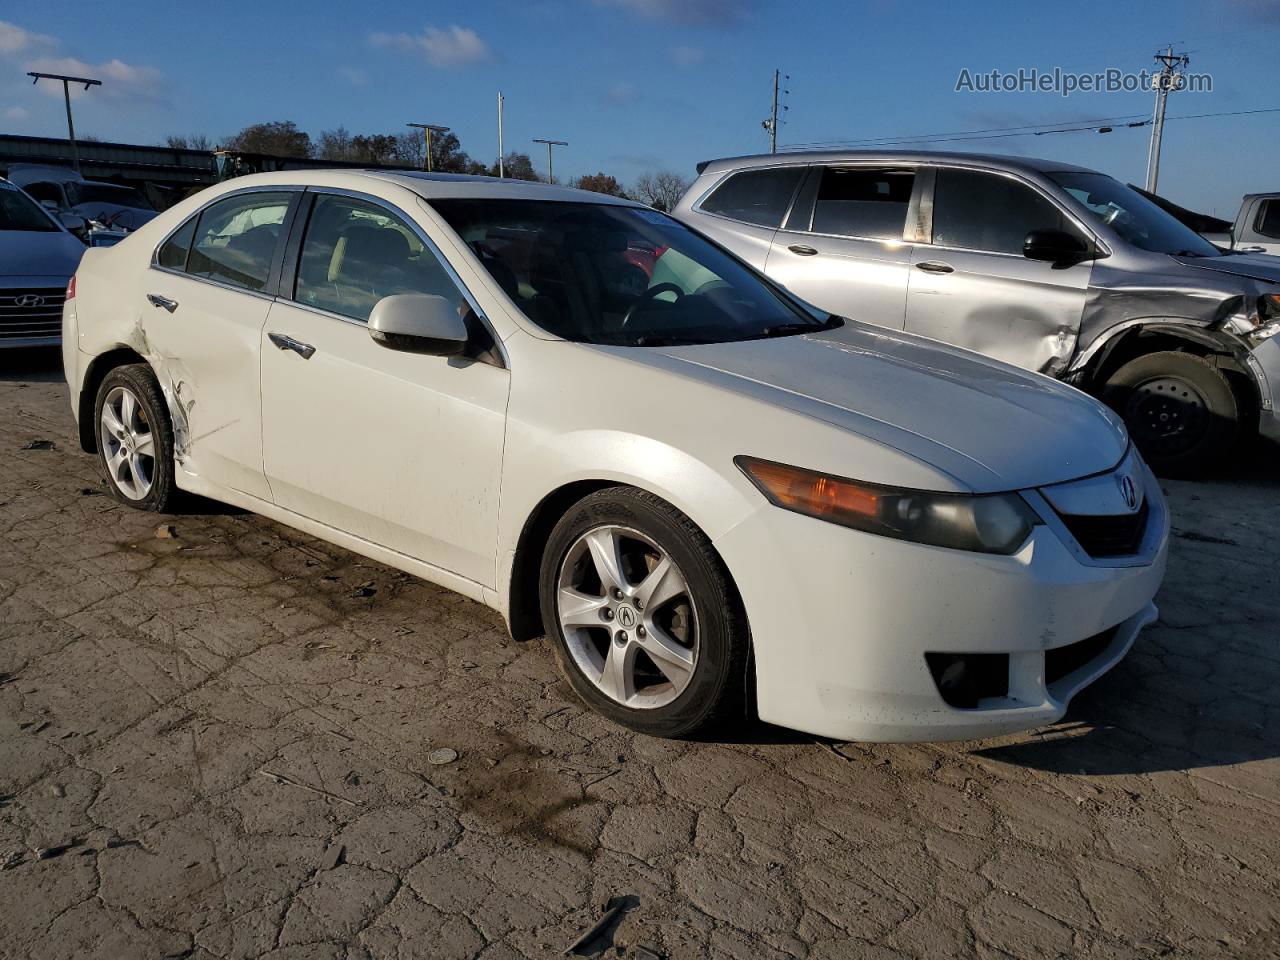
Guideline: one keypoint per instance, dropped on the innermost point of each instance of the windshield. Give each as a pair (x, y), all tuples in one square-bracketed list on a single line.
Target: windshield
[(1132, 216), (612, 274), (20, 212), (79, 193)]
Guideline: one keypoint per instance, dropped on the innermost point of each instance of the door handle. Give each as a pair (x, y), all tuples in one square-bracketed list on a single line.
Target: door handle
[(802, 250), (159, 301), (304, 350), (933, 266)]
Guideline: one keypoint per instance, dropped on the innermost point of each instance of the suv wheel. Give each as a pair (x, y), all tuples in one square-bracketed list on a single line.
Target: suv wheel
[(1180, 410), (135, 439), (648, 628)]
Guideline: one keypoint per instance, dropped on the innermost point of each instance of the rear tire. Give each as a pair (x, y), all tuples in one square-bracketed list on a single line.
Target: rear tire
[(1180, 410), (679, 640), (135, 439)]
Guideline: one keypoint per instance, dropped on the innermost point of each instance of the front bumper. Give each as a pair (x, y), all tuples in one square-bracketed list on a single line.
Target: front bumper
[(841, 622)]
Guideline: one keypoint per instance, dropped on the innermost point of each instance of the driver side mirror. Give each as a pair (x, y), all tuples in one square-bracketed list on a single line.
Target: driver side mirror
[(1056, 247), (418, 323), (75, 223)]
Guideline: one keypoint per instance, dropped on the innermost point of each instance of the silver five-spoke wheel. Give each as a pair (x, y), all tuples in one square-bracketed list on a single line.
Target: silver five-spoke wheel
[(628, 617), (127, 442)]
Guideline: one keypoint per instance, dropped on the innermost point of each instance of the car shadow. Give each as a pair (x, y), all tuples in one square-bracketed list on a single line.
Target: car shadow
[(31, 364)]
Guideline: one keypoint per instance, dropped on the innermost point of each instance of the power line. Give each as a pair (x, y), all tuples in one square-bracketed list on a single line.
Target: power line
[(1025, 130)]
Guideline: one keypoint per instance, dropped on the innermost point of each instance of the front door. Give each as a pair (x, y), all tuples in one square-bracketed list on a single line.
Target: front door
[(974, 288), (206, 300), (842, 247), (400, 449)]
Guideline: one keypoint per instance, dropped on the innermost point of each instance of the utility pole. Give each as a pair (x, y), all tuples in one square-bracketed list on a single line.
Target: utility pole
[(66, 94), (428, 129), (501, 155), (550, 143), (1170, 78), (772, 123)]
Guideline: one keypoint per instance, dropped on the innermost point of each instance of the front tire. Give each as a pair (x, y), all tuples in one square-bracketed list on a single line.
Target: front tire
[(1180, 410), (135, 439), (647, 625)]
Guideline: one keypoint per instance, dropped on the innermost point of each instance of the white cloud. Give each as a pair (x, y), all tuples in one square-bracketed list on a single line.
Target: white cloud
[(14, 39), (687, 56), (706, 12), (453, 46), (354, 76), (120, 80), (17, 113)]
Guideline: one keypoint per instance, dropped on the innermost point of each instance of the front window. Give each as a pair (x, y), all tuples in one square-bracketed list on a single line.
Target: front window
[(1269, 219), (20, 212), (614, 274), (988, 212), (355, 253), (1132, 216)]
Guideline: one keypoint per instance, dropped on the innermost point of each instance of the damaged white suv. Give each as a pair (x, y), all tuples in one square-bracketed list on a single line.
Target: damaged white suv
[(578, 411)]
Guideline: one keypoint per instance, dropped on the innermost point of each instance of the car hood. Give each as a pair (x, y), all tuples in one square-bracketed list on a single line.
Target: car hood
[(989, 426), (1254, 266), (32, 253)]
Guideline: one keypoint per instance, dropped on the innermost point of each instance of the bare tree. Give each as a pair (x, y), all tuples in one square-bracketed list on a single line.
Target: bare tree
[(334, 145), (661, 189), (195, 141)]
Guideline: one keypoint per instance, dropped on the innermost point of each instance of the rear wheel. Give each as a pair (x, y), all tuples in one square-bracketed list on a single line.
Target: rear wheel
[(135, 439), (1180, 410), (648, 628)]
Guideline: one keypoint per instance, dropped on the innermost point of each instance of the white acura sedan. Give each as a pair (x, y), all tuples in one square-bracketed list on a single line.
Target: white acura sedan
[(578, 411)]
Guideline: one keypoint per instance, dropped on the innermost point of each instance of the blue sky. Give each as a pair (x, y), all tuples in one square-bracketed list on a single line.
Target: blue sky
[(643, 84)]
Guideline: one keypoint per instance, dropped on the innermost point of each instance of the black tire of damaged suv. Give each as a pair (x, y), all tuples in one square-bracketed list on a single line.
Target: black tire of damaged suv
[(1180, 410)]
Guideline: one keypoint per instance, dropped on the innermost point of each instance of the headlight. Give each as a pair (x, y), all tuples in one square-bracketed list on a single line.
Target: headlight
[(992, 523), (1268, 317)]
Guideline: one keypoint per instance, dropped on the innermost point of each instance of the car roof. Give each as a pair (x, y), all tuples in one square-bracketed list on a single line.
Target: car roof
[(992, 160), (432, 186)]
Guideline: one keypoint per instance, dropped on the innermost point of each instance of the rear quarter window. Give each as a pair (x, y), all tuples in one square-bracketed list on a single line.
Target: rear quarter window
[(760, 197)]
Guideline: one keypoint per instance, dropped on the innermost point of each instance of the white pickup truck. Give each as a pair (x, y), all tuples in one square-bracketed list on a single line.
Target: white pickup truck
[(1256, 228)]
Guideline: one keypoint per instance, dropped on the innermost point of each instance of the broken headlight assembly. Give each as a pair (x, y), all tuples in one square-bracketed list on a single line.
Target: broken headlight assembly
[(1268, 321), (984, 523)]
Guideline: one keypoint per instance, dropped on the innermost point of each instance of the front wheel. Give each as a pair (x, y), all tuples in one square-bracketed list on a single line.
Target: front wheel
[(647, 625), (1180, 410)]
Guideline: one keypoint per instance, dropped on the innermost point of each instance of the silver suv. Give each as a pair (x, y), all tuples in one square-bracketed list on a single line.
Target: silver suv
[(1050, 267)]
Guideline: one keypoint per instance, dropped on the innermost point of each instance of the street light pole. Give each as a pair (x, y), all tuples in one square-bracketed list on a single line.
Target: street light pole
[(66, 95), (501, 158), (428, 129), (1170, 79), (550, 143)]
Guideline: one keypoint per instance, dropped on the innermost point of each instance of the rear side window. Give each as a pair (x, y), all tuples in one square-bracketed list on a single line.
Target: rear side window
[(173, 253), (236, 239), (1269, 219), (755, 196), (355, 253), (984, 211), (863, 202)]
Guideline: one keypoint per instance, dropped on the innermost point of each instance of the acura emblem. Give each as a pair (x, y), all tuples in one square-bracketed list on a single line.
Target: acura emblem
[(1128, 491), (30, 300)]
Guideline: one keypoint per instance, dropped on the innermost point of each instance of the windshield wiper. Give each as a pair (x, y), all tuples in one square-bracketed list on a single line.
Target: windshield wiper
[(787, 329)]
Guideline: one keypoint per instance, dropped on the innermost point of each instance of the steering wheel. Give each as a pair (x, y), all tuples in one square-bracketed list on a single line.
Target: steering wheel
[(644, 298)]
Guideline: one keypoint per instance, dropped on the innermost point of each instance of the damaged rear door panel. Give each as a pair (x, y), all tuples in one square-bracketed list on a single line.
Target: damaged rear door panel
[(201, 323)]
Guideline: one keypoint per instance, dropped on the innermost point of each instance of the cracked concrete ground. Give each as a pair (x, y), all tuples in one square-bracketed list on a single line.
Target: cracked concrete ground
[(230, 730)]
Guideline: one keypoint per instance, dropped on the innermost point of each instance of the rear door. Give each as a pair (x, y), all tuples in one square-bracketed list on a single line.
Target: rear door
[(973, 287), (208, 292), (844, 246)]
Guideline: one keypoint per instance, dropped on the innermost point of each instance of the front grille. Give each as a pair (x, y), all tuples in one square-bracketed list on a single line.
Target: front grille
[(1064, 660), (32, 312), (1109, 536)]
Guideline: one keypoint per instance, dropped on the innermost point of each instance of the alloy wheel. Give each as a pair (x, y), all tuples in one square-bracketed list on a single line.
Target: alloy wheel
[(127, 443), (628, 617)]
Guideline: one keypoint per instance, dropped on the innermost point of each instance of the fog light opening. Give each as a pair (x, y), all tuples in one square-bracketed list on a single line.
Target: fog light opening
[(964, 679)]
